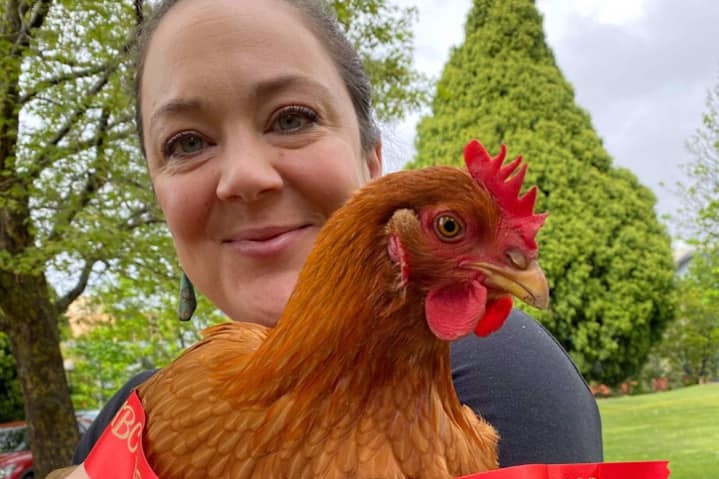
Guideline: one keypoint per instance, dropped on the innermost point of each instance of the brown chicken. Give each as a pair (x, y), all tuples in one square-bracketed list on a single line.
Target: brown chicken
[(355, 380)]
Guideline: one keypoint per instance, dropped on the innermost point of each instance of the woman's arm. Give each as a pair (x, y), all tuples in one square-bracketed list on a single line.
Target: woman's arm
[(524, 384), (72, 472)]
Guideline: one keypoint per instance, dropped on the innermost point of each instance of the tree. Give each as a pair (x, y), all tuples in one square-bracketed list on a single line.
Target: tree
[(73, 194), (607, 258), (76, 206), (691, 343), (700, 192)]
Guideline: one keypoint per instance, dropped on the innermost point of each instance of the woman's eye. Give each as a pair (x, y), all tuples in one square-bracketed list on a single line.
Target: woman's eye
[(184, 144), (294, 118)]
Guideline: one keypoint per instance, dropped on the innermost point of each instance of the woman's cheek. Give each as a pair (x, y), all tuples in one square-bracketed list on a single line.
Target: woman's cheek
[(332, 182), (184, 206)]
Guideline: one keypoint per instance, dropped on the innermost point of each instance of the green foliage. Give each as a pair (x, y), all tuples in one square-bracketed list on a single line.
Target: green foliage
[(382, 34), (11, 403), (126, 333), (607, 258), (90, 197), (689, 352), (680, 426)]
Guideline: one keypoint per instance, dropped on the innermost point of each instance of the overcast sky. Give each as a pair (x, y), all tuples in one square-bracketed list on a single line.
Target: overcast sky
[(642, 68)]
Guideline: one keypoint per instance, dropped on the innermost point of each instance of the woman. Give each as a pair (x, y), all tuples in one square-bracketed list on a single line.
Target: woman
[(255, 121)]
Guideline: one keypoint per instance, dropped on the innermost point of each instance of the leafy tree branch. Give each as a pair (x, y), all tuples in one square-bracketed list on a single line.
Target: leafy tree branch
[(59, 79), (80, 285)]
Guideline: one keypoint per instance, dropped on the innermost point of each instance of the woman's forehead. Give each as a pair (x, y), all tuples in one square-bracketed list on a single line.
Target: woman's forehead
[(224, 23), (231, 45)]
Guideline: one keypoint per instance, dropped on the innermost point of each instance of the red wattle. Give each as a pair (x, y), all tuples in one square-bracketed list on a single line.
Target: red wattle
[(495, 314), (453, 311)]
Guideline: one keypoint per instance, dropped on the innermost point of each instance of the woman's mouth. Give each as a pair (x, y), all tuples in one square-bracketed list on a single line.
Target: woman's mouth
[(269, 241)]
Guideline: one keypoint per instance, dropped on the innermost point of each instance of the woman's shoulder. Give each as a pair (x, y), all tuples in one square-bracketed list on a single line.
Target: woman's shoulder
[(524, 383), (522, 341)]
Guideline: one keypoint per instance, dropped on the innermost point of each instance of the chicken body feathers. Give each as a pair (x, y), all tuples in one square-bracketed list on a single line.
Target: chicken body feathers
[(400, 431)]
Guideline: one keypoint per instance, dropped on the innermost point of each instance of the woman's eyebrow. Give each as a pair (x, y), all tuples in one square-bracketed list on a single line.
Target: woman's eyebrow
[(290, 81), (177, 106), (263, 89)]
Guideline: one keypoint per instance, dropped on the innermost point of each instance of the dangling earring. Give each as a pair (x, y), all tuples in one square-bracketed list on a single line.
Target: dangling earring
[(188, 302)]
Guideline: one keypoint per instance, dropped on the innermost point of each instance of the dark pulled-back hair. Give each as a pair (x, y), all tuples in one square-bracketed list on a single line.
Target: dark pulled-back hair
[(319, 17)]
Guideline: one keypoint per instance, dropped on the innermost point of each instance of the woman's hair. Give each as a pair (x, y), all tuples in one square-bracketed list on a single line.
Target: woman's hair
[(321, 20)]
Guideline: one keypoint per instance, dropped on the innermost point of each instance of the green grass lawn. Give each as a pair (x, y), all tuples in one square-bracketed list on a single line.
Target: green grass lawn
[(681, 426)]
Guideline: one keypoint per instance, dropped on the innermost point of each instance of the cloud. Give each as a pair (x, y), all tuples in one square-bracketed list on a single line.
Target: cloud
[(644, 83)]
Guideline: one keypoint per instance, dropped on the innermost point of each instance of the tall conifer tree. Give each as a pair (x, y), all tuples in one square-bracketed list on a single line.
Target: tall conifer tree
[(607, 258)]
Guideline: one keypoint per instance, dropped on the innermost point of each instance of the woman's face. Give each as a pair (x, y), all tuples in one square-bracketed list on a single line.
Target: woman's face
[(252, 142)]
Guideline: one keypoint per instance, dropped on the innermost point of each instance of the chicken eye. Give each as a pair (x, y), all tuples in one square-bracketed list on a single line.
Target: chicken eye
[(448, 228)]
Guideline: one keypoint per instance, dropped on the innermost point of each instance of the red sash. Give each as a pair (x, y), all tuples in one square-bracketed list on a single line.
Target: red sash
[(118, 454), (602, 470)]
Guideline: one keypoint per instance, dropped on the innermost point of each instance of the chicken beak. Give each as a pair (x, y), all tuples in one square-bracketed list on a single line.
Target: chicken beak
[(528, 285)]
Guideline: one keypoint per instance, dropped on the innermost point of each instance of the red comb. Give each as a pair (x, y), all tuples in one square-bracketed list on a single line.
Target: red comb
[(504, 186)]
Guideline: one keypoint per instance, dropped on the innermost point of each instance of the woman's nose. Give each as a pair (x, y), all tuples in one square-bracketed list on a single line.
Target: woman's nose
[(248, 171)]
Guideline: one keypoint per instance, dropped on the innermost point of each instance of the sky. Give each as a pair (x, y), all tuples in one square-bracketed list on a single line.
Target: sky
[(641, 68)]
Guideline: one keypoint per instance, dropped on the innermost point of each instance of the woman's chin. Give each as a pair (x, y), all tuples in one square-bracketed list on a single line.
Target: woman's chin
[(265, 304)]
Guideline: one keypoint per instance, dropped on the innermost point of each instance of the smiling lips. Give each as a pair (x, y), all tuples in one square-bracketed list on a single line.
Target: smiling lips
[(262, 242)]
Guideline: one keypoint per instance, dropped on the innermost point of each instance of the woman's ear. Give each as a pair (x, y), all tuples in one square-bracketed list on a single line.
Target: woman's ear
[(374, 160)]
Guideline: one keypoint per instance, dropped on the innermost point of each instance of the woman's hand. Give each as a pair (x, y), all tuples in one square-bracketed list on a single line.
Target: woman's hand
[(72, 472)]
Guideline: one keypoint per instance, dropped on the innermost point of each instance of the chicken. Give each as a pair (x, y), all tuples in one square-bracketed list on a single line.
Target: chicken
[(355, 379)]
